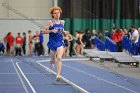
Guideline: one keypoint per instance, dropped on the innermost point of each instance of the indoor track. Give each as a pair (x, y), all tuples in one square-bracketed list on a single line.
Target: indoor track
[(34, 75)]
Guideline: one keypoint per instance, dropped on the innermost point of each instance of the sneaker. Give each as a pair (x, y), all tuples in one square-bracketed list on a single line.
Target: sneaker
[(57, 78), (52, 65), (52, 62), (79, 55), (41, 55), (134, 64)]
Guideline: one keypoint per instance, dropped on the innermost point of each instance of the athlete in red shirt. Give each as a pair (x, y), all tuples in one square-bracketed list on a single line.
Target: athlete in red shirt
[(10, 42), (19, 42)]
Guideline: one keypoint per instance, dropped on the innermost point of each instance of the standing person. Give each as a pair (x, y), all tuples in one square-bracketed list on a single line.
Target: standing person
[(24, 43), (134, 35), (7, 45), (30, 42), (117, 37), (55, 29), (41, 40), (36, 43), (78, 46), (9, 38), (67, 40), (19, 43)]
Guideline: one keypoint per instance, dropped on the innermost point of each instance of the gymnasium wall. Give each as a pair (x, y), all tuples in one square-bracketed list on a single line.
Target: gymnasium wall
[(21, 25), (36, 9), (23, 15)]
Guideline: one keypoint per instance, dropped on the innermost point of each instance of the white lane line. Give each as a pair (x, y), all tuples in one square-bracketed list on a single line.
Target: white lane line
[(123, 87), (32, 88), (24, 73), (22, 82), (82, 90), (74, 59), (8, 73)]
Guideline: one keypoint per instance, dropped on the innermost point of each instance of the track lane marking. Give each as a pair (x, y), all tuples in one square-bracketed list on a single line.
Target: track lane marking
[(24, 73), (22, 82), (64, 79), (109, 82), (32, 88)]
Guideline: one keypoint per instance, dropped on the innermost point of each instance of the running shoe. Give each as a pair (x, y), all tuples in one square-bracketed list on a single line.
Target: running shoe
[(57, 78), (52, 65)]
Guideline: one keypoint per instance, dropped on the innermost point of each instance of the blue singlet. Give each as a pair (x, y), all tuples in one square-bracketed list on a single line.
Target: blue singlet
[(56, 39)]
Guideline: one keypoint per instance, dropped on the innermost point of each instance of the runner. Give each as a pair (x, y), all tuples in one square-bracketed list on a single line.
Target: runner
[(55, 29)]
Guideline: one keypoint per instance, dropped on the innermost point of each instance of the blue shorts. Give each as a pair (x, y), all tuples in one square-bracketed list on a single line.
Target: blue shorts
[(54, 45)]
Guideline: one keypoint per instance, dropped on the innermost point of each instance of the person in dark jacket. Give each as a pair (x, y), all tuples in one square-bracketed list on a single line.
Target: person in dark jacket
[(41, 40), (2, 48), (24, 43)]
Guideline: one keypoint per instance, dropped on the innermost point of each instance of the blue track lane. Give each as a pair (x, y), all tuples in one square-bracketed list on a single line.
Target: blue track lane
[(9, 81), (92, 79), (40, 80), (96, 80), (100, 80)]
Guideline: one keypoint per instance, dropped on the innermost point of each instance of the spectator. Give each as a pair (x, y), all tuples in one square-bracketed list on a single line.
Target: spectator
[(135, 34), (113, 30), (24, 43), (117, 37), (36, 43), (87, 38), (126, 33), (94, 34), (41, 40), (78, 46), (2, 48), (30, 42), (107, 33), (67, 40), (19, 43), (10, 43), (100, 35)]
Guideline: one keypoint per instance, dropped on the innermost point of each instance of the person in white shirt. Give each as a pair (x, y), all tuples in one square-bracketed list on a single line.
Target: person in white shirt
[(135, 34)]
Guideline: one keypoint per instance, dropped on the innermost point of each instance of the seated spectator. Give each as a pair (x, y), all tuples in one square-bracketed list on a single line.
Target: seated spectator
[(100, 35), (2, 48), (107, 33), (138, 43), (126, 32), (94, 34), (87, 39)]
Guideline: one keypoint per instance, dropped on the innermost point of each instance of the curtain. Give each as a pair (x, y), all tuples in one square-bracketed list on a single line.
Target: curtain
[(99, 14)]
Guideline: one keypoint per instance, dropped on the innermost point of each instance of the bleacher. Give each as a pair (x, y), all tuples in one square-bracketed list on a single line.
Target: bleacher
[(129, 46), (108, 50)]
